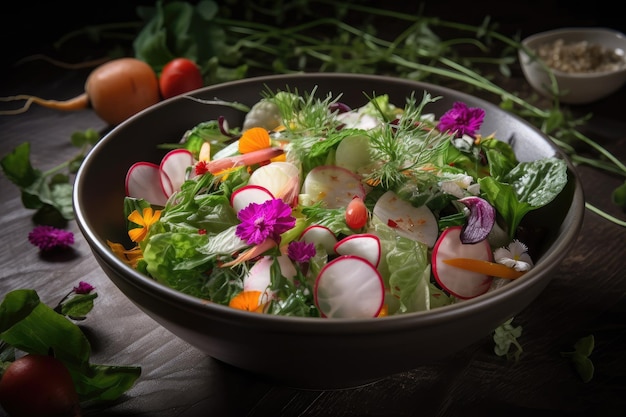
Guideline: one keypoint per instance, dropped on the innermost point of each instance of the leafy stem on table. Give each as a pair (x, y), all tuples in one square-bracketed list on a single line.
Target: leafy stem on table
[(48, 192)]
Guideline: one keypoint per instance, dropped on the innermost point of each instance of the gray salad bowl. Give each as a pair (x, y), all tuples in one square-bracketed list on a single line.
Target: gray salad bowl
[(314, 353)]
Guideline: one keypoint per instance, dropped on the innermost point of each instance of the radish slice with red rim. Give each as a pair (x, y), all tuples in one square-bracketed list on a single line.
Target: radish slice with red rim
[(320, 235), (333, 185), (349, 287), (143, 181), (282, 179), (416, 223), (244, 196), (364, 245), (460, 282), (174, 167)]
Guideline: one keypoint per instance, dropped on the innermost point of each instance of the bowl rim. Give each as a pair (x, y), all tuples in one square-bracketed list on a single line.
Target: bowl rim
[(532, 41), (313, 324)]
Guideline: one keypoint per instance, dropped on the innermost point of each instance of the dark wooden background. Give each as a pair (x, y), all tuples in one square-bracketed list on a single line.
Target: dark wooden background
[(586, 295)]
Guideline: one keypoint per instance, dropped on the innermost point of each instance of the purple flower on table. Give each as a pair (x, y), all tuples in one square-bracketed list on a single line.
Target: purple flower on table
[(48, 238), (269, 219), (300, 251), (83, 288), (461, 120)]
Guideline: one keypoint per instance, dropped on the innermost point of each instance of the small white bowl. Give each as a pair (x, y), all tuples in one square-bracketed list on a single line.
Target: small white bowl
[(575, 87)]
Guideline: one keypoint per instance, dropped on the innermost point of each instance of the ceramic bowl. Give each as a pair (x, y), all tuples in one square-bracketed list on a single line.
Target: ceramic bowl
[(313, 353), (576, 87)]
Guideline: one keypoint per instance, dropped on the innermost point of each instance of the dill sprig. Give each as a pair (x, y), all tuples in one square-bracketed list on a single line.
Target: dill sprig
[(406, 146), (304, 112)]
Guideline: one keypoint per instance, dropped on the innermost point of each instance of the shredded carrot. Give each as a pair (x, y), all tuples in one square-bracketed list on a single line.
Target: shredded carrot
[(253, 252), (484, 267)]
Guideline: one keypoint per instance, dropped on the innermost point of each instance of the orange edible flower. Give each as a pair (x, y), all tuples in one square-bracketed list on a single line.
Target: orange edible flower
[(247, 301), (130, 256), (145, 220), (254, 139)]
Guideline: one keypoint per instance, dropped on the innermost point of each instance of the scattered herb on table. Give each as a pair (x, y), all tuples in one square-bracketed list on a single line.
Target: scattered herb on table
[(49, 192), (580, 357), (505, 336)]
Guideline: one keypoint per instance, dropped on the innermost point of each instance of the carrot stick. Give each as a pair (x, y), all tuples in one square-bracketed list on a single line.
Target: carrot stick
[(484, 267), (249, 158)]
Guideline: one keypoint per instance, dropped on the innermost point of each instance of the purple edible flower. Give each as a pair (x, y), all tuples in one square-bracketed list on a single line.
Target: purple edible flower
[(83, 288), (262, 221), (461, 120), (299, 251), (48, 238)]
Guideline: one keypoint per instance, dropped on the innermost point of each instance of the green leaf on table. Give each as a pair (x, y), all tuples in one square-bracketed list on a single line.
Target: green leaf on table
[(55, 191), (31, 326), (580, 357), (17, 166), (78, 306), (50, 192)]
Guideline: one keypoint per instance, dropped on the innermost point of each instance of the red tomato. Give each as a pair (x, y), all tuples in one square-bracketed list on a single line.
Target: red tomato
[(38, 385), (356, 213), (179, 76)]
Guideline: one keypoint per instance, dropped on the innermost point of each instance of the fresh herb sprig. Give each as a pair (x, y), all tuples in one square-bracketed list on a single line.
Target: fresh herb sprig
[(583, 349), (49, 192), (505, 336)]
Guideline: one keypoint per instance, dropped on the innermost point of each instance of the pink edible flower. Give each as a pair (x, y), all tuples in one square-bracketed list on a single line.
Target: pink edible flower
[(262, 221), (461, 120), (47, 238)]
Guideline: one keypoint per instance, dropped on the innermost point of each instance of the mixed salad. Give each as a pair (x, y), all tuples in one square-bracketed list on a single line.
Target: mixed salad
[(312, 208)]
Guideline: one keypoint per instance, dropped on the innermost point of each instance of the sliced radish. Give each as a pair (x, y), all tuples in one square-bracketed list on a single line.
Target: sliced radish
[(460, 282), (242, 197), (143, 180), (320, 235), (333, 185), (259, 277), (364, 245), (282, 179), (416, 223), (174, 167), (349, 287)]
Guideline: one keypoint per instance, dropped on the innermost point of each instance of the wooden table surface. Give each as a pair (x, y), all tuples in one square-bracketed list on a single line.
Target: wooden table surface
[(586, 296)]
